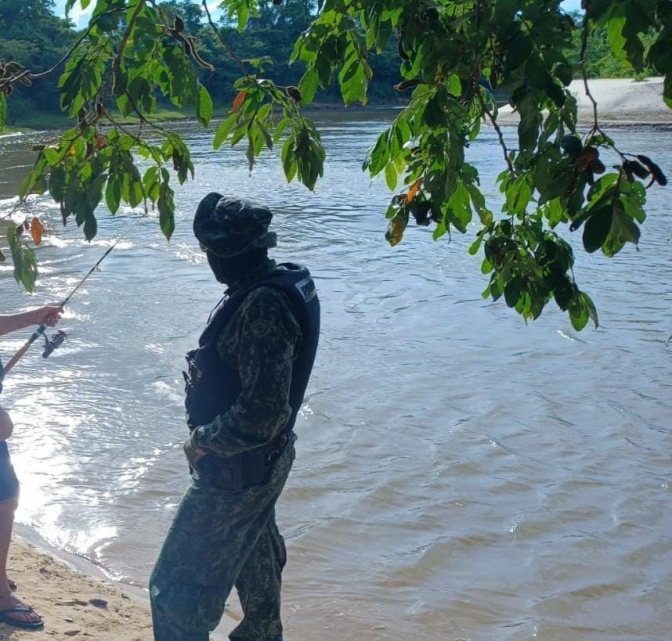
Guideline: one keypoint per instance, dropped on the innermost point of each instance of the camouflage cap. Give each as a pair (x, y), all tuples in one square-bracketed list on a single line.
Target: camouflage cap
[(228, 227)]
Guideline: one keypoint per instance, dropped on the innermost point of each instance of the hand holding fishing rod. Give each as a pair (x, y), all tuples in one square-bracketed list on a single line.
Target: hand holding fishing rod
[(46, 316)]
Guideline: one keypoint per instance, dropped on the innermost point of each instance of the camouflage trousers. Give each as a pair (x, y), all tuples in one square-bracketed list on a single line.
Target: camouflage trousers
[(218, 539)]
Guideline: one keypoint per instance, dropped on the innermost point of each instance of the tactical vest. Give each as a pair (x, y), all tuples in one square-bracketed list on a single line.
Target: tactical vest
[(212, 386)]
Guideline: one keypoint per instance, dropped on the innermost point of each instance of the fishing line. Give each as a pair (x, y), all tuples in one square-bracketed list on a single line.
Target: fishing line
[(58, 338)]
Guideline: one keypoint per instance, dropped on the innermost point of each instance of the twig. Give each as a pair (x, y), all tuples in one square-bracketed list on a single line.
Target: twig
[(223, 42), (13, 210), (582, 58), (584, 75), (28, 74), (500, 135), (138, 141), (124, 40)]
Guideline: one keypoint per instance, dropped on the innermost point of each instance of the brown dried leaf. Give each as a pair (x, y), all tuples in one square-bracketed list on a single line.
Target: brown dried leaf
[(36, 230), (239, 100), (413, 190)]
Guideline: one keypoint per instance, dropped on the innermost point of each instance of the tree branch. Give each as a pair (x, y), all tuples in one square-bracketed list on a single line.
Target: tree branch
[(500, 135), (26, 73), (223, 42)]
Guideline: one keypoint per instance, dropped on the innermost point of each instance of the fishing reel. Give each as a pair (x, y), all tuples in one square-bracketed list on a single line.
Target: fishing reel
[(50, 344)]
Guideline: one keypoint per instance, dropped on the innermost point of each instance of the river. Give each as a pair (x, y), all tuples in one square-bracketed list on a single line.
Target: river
[(461, 475)]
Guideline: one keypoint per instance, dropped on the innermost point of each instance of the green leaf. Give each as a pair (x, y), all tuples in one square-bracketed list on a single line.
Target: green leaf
[(564, 292), (57, 183), (529, 129), (308, 87), (224, 130), (113, 194), (204, 107), (512, 292), (476, 245), (597, 228), (166, 208), (518, 195), (578, 313), (288, 160), (518, 51), (52, 155), (94, 190), (243, 17), (587, 302), (33, 183), (434, 115), (615, 37), (660, 55), (627, 22), (564, 73), (455, 85), (459, 208), (379, 156), (391, 176), (623, 227), (280, 128), (25, 264), (353, 80), (90, 226)]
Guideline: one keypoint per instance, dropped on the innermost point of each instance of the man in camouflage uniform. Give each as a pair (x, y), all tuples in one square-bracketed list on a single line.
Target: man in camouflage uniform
[(245, 385)]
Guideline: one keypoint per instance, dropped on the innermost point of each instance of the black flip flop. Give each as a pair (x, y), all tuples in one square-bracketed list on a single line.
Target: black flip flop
[(18, 623)]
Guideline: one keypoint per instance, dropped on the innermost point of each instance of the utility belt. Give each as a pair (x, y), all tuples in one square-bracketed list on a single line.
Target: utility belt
[(244, 470)]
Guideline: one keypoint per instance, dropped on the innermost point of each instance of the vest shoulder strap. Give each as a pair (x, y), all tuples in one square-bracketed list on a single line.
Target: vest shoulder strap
[(293, 280)]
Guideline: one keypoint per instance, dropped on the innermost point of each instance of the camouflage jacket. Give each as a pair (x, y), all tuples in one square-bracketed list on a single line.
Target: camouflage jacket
[(261, 343)]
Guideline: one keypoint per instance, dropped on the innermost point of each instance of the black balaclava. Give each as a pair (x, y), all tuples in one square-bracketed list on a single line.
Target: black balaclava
[(229, 271)]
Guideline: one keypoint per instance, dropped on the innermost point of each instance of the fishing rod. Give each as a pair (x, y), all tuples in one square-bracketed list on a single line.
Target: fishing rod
[(59, 337)]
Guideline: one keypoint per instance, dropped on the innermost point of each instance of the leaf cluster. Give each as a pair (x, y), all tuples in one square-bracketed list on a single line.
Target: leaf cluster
[(455, 57)]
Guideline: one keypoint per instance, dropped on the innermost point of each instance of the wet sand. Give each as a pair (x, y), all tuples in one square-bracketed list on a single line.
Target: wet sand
[(76, 604), (73, 604)]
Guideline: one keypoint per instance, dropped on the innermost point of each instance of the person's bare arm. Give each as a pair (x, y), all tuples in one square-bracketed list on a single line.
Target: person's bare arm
[(48, 314)]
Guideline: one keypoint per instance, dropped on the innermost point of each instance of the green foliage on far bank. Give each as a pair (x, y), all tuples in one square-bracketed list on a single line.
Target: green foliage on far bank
[(33, 36), (448, 59)]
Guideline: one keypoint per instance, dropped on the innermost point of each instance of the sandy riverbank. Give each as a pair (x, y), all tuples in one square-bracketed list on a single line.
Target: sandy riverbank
[(76, 604), (73, 605), (620, 102)]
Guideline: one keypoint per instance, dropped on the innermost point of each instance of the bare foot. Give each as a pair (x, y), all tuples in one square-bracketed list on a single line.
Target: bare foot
[(15, 612), (12, 584)]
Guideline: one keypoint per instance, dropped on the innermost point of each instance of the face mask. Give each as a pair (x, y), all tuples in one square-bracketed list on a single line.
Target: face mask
[(230, 270), (224, 269)]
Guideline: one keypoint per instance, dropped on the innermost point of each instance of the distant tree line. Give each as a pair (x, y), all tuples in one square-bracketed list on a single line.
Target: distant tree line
[(32, 35)]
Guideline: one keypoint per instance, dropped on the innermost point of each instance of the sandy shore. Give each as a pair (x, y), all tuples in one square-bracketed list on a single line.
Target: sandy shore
[(73, 605), (620, 102), (78, 605)]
